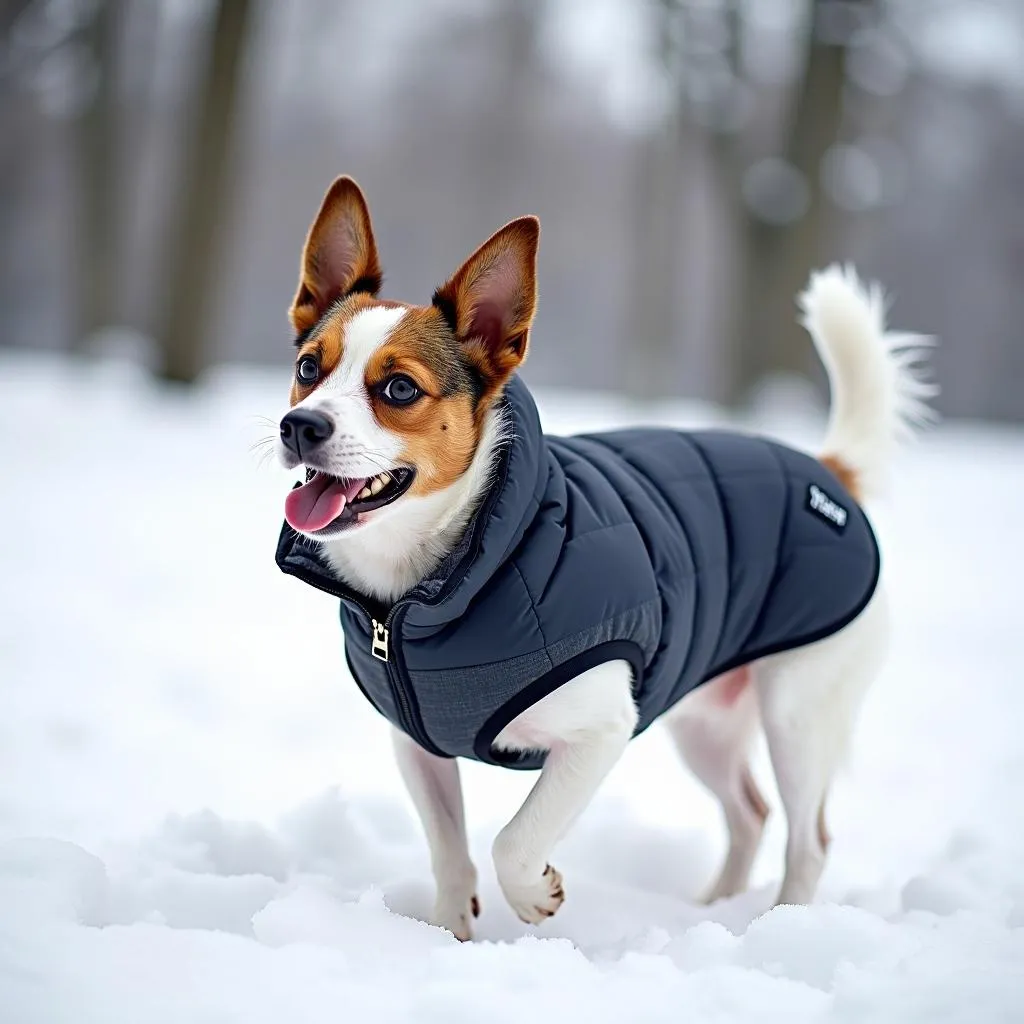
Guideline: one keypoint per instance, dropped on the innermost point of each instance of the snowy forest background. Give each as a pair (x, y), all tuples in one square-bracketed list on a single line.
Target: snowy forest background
[(200, 815), (690, 161)]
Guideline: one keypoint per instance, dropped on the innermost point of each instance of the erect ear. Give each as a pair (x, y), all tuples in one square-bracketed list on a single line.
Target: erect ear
[(340, 255), (490, 300)]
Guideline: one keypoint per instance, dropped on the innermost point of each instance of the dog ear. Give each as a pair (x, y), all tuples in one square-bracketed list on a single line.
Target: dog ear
[(490, 300), (339, 257)]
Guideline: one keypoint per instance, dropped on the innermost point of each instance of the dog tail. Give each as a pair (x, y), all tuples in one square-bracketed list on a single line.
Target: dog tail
[(879, 393)]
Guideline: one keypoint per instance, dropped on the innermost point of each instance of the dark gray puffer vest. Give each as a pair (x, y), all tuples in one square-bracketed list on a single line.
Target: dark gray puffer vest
[(686, 554)]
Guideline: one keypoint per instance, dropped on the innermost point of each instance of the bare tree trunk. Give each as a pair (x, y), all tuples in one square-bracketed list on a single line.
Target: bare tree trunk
[(18, 151), (776, 260), (505, 105), (648, 334), (184, 334), (97, 143)]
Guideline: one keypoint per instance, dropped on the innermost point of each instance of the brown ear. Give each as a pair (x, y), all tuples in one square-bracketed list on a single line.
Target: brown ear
[(340, 255), (490, 300)]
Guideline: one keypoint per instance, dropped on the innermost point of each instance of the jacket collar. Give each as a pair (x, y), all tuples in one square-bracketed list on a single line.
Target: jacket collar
[(493, 533)]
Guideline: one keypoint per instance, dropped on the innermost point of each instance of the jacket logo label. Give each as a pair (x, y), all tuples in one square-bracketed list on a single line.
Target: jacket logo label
[(826, 508)]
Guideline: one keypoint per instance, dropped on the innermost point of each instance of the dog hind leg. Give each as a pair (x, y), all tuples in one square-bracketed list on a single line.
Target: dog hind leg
[(713, 729), (809, 699)]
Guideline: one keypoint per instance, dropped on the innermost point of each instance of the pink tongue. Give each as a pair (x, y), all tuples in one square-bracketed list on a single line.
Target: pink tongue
[(318, 503)]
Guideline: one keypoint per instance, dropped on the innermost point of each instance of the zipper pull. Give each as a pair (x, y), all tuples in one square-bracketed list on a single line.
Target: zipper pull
[(379, 641)]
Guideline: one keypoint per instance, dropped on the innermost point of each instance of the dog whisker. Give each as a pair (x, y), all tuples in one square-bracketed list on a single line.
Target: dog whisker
[(265, 456), (263, 449), (378, 459)]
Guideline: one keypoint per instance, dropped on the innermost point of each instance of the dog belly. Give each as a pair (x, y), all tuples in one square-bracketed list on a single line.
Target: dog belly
[(720, 693), (725, 690)]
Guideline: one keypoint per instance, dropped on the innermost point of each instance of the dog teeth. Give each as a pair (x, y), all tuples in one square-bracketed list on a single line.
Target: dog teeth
[(373, 486)]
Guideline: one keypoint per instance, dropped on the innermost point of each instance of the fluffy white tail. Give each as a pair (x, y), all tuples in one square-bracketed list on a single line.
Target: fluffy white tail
[(878, 393)]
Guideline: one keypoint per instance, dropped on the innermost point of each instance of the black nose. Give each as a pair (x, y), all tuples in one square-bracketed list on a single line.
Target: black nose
[(304, 430)]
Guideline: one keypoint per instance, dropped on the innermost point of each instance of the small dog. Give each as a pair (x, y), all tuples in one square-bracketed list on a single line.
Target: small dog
[(535, 602)]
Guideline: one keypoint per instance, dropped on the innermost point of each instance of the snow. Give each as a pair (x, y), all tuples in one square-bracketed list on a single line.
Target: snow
[(200, 820)]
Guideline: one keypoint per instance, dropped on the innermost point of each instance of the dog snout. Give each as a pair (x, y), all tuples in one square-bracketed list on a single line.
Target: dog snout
[(304, 430)]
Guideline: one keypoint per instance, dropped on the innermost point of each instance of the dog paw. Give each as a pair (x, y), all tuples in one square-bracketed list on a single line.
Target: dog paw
[(454, 911), (535, 901)]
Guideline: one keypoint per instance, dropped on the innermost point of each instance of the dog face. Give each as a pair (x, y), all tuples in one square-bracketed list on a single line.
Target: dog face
[(388, 399)]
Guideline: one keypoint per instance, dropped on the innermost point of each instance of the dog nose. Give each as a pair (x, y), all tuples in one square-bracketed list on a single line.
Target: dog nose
[(303, 430)]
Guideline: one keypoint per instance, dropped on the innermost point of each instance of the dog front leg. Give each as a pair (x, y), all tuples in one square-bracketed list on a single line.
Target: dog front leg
[(436, 791), (585, 726)]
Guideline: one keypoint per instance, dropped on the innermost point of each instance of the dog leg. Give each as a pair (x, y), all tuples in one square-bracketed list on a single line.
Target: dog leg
[(713, 729), (436, 791), (809, 700), (585, 726)]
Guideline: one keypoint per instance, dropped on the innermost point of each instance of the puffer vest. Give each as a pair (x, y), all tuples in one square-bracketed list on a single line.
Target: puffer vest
[(683, 553)]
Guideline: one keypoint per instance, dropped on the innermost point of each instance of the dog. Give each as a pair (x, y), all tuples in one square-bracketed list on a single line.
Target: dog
[(536, 602)]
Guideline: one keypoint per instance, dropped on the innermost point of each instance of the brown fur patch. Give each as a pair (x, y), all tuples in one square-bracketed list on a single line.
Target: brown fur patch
[(441, 443), (755, 801), (846, 474), (441, 429), (823, 834)]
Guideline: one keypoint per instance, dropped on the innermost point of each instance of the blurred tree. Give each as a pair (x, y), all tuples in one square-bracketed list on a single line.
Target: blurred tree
[(96, 168), (779, 213), (780, 250), (649, 328), (505, 102), (769, 181), (15, 129), (199, 222)]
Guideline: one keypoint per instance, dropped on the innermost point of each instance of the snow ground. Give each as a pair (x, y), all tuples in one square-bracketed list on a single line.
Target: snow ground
[(200, 820)]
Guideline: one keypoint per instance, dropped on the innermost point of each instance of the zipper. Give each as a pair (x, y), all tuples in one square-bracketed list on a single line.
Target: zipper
[(383, 650), (379, 641), (401, 688)]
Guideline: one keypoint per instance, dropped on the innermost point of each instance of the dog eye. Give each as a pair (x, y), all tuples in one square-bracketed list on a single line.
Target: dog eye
[(308, 370), (399, 390)]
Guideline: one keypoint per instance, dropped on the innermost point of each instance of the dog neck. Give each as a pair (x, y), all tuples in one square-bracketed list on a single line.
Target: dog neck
[(388, 557)]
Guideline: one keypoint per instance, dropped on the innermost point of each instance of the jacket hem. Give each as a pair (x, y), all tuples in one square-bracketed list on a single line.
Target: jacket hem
[(612, 650)]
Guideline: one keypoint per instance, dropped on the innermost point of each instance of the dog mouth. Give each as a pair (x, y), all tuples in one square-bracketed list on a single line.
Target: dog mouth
[(327, 502)]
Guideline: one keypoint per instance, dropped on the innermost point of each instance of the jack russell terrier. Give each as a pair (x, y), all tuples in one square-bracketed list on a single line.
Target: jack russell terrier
[(535, 601)]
